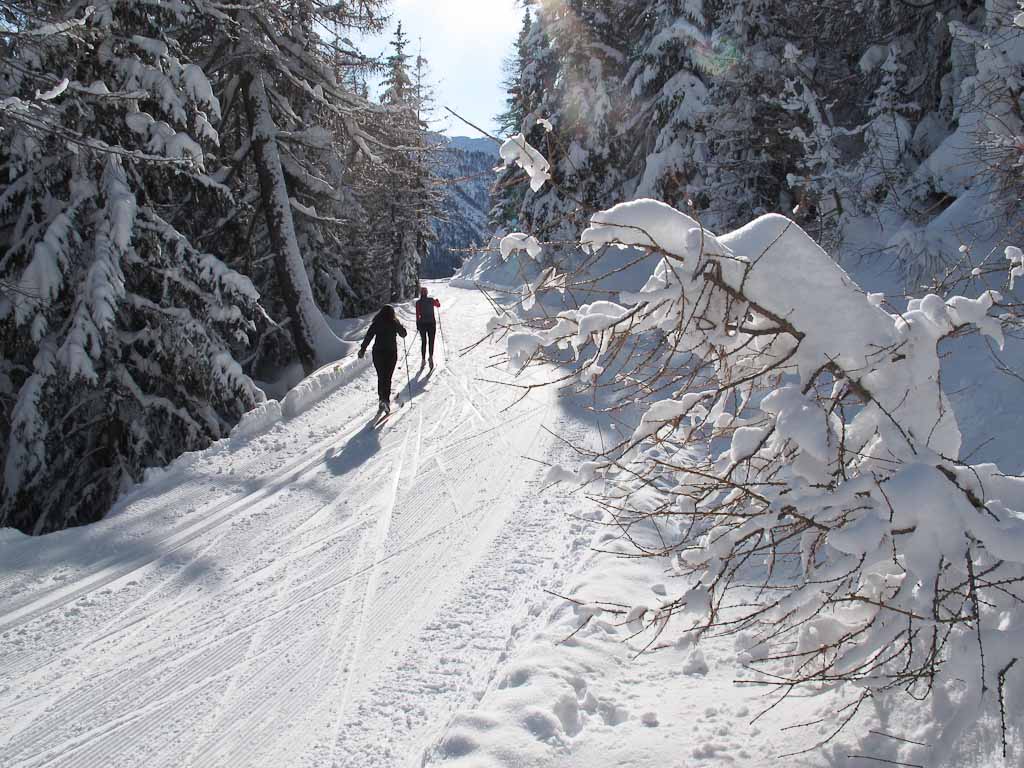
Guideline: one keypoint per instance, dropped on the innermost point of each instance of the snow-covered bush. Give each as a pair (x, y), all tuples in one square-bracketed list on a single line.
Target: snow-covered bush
[(809, 464)]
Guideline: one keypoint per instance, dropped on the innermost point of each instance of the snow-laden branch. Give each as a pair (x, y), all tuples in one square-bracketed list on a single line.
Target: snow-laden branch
[(518, 151), (516, 242), (799, 434), (57, 28)]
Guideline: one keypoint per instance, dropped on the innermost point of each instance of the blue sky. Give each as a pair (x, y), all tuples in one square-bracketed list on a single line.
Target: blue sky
[(465, 42)]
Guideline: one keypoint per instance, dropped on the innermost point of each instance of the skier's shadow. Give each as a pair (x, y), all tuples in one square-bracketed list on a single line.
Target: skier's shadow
[(361, 447), (423, 376)]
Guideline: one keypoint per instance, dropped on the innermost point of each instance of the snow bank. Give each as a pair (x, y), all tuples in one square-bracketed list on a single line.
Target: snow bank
[(321, 383), (258, 420), (490, 269), (300, 398)]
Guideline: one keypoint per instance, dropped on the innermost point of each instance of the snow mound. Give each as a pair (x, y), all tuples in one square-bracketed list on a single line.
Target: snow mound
[(258, 420), (300, 398), (321, 383)]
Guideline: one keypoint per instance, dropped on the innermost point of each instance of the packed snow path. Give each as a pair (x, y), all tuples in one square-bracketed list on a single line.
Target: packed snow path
[(327, 593)]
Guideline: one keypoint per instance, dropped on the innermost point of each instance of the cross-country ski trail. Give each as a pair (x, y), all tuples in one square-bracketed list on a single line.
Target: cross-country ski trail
[(326, 593)]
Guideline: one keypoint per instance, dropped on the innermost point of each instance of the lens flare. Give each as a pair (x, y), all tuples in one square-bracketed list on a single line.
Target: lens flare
[(717, 57)]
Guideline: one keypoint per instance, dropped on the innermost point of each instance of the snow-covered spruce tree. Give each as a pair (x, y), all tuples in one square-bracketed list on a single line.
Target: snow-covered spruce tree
[(749, 152), (967, 187), (861, 123), (667, 85), (118, 334), (577, 56), (411, 195), (295, 142), (904, 113), (510, 120), (524, 67)]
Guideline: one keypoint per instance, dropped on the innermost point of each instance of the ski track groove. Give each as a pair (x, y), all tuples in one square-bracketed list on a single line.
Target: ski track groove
[(81, 653), (216, 715), (461, 682), (221, 513), (140, 622), (348, 662)]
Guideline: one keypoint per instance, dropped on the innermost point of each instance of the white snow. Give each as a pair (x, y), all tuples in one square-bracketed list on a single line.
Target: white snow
[(312, 591), (320, 384), (1016, 258), (576, 692), (54, 92), (906, 502)]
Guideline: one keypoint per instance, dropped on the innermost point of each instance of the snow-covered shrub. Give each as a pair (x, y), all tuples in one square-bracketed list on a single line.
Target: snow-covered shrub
[(809, 462)]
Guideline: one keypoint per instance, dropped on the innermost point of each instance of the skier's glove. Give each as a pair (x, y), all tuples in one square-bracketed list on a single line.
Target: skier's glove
[(362, 353)]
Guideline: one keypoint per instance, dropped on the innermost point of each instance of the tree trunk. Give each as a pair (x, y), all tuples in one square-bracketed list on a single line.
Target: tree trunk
[(314, 341)]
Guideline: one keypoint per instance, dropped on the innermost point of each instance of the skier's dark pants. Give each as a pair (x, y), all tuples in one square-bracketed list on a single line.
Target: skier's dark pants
[(385, 365), (427, 331)]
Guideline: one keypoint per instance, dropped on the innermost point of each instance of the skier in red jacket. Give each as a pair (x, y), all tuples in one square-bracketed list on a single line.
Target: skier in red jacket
[(426, 324)]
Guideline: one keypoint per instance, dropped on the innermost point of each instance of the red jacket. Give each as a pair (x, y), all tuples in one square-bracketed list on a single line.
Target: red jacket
[(426, 303)]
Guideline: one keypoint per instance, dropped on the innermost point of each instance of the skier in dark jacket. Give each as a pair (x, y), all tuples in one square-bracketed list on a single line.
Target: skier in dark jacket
[(426, 324), (386, 329)]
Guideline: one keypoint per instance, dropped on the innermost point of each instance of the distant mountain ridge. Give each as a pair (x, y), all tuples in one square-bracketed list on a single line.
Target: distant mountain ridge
[(474, 144), (466, 204)]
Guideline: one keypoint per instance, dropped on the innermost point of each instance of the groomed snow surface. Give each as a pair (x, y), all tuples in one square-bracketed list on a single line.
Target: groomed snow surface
[(318, 591)]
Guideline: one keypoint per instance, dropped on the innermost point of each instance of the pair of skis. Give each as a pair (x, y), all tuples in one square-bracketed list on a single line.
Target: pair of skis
[(383, 415)]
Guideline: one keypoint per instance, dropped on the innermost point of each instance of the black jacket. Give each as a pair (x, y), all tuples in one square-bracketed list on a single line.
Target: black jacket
[(386, 331)]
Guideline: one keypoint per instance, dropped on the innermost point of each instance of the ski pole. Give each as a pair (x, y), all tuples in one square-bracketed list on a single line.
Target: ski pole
[(440, 329), (408, 380)]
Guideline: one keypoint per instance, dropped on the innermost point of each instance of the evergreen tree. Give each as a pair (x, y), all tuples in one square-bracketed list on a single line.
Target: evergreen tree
[(412, 199), (667, 83), (138, 186), (508, 192), (730, 106), (397, 87), (510, 120), (119, 335), (296, 133), (587, 107), (573, 80), (427, 175)]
